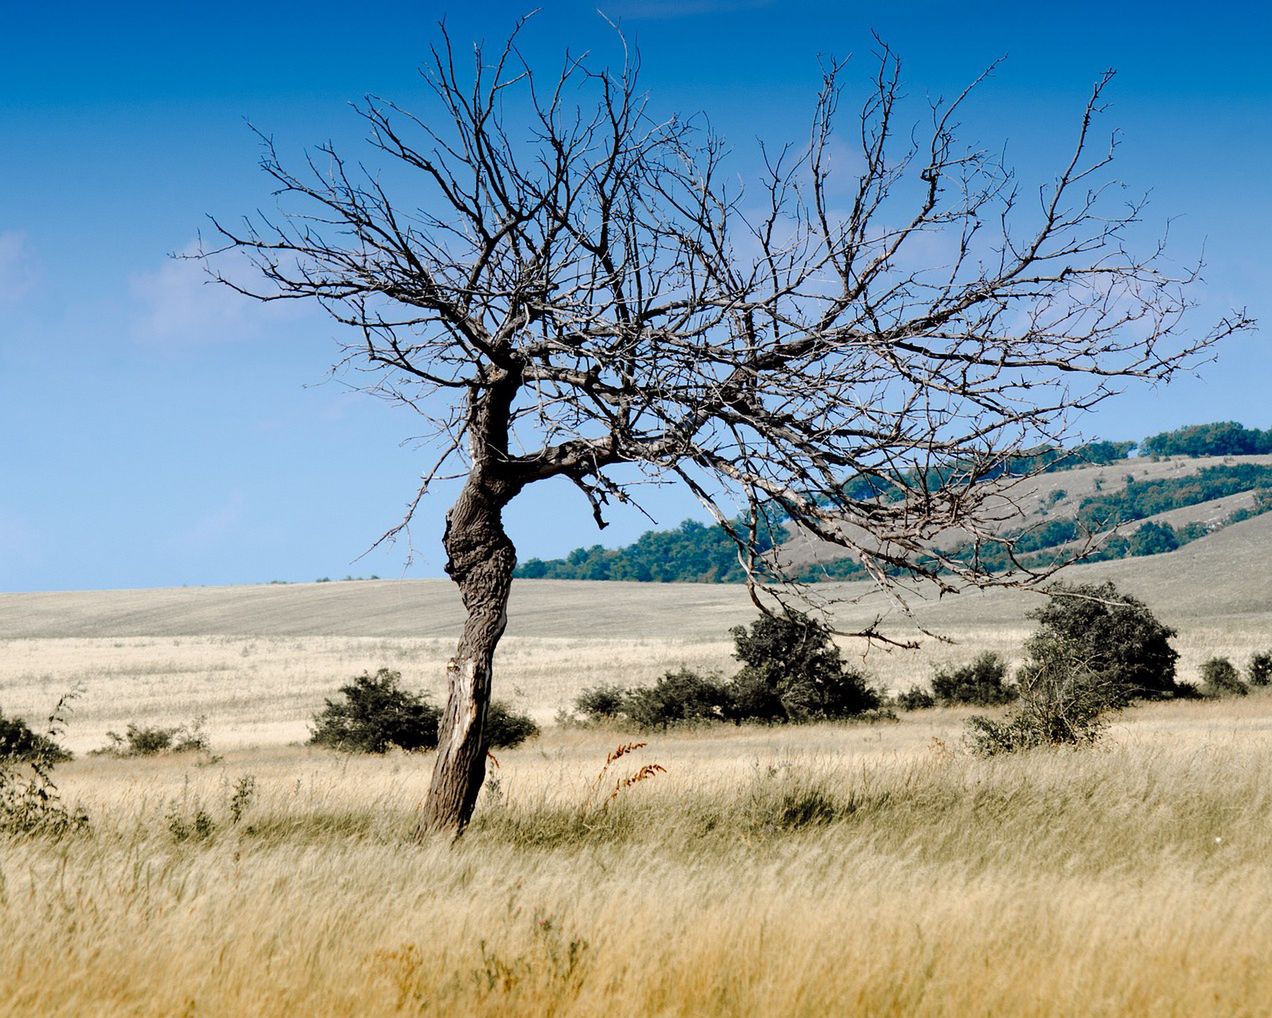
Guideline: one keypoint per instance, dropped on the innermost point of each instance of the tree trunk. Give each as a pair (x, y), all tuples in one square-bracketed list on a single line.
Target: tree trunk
[(480, 559)]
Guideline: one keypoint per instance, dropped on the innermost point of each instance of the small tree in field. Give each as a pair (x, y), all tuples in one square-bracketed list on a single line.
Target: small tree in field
[(981, 683), (792, 671), (572, 287), (1108, 634), (374, 713), (1219, 677), (1259, 670)]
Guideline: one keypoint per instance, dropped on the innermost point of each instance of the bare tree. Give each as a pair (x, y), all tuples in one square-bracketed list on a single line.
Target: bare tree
[(573, 288)]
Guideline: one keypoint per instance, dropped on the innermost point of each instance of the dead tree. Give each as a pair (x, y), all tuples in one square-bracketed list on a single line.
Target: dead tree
[(564, 284)]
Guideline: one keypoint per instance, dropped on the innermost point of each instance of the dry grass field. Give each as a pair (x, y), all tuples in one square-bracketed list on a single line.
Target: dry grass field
[(873, 869)]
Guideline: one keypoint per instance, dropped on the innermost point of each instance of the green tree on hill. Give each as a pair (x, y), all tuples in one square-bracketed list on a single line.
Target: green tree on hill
[(1223, 438)]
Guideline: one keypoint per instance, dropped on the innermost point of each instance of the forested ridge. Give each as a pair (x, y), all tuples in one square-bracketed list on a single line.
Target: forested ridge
[(695, 552)]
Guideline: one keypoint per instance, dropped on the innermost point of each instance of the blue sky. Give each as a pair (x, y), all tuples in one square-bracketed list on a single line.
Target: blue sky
[(160, 432)]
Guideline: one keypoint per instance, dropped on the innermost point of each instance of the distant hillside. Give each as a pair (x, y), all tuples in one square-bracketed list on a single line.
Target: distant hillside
[(1214, 581), (1192, 482)]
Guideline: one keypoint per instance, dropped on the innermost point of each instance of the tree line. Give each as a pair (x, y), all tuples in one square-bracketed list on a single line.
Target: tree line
[(699, 553)]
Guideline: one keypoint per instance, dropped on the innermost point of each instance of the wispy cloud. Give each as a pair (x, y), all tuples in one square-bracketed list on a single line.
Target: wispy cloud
[(180, 304), (17, 266)]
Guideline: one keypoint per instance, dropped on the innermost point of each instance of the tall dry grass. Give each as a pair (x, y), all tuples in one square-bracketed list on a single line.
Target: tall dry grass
[(832, 870)]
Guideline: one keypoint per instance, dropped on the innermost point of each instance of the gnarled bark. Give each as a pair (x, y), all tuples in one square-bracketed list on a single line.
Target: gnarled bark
[(480, 559)]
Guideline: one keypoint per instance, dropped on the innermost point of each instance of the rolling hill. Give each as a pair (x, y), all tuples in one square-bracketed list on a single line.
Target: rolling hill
[(1218, 577), (1144, 506)]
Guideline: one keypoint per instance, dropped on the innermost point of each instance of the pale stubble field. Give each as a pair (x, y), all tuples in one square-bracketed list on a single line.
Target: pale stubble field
[(262, 691)]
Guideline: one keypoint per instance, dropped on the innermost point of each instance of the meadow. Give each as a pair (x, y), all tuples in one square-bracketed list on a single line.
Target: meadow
[(856, 869), (874, 869)]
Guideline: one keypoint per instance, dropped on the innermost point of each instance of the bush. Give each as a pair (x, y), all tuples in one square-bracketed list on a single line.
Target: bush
[(1219, 678), (1260, 669), (602, 702), (29, 799), (150, 740), (1109, 634), (914, 698), (678, 697), (792, 671), (18, 744), (1060, 702), (1153, 539), (981, 683), (505, 727), (374, 714)]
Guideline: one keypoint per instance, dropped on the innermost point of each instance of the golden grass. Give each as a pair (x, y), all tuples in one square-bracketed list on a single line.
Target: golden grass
[(832, 870)]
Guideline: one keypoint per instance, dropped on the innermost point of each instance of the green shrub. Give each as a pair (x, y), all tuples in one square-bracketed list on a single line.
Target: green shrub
[(1109, 634), (1153, 539), (19, 744), (1219, 677), (374, 713), (506, 727), (792, 671), (29, 799), (981, 683), (678, 697), (150, 740), (914, 698), (1060, 702), (602, 702), (1260, 669)]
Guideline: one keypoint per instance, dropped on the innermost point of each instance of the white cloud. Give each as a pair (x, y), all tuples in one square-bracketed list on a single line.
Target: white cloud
[(17, 268), (179, 303)]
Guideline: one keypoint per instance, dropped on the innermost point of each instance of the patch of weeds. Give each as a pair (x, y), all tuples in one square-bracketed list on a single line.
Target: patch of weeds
[(152, 740), (197, 826), (806, 807), (242, 798), (402, 968), (553, 957)]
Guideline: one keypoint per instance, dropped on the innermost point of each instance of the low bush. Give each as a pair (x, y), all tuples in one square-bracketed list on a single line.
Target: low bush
[(151, 740), (1219, 677), (29, 799), (1259, 671), (602, 702), (19, 744), (1060, 702), (377, 714), (678, 697), (914, 698), (373, 713), (1110, 634), (791, 672), (980, 684), (506, 727)]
